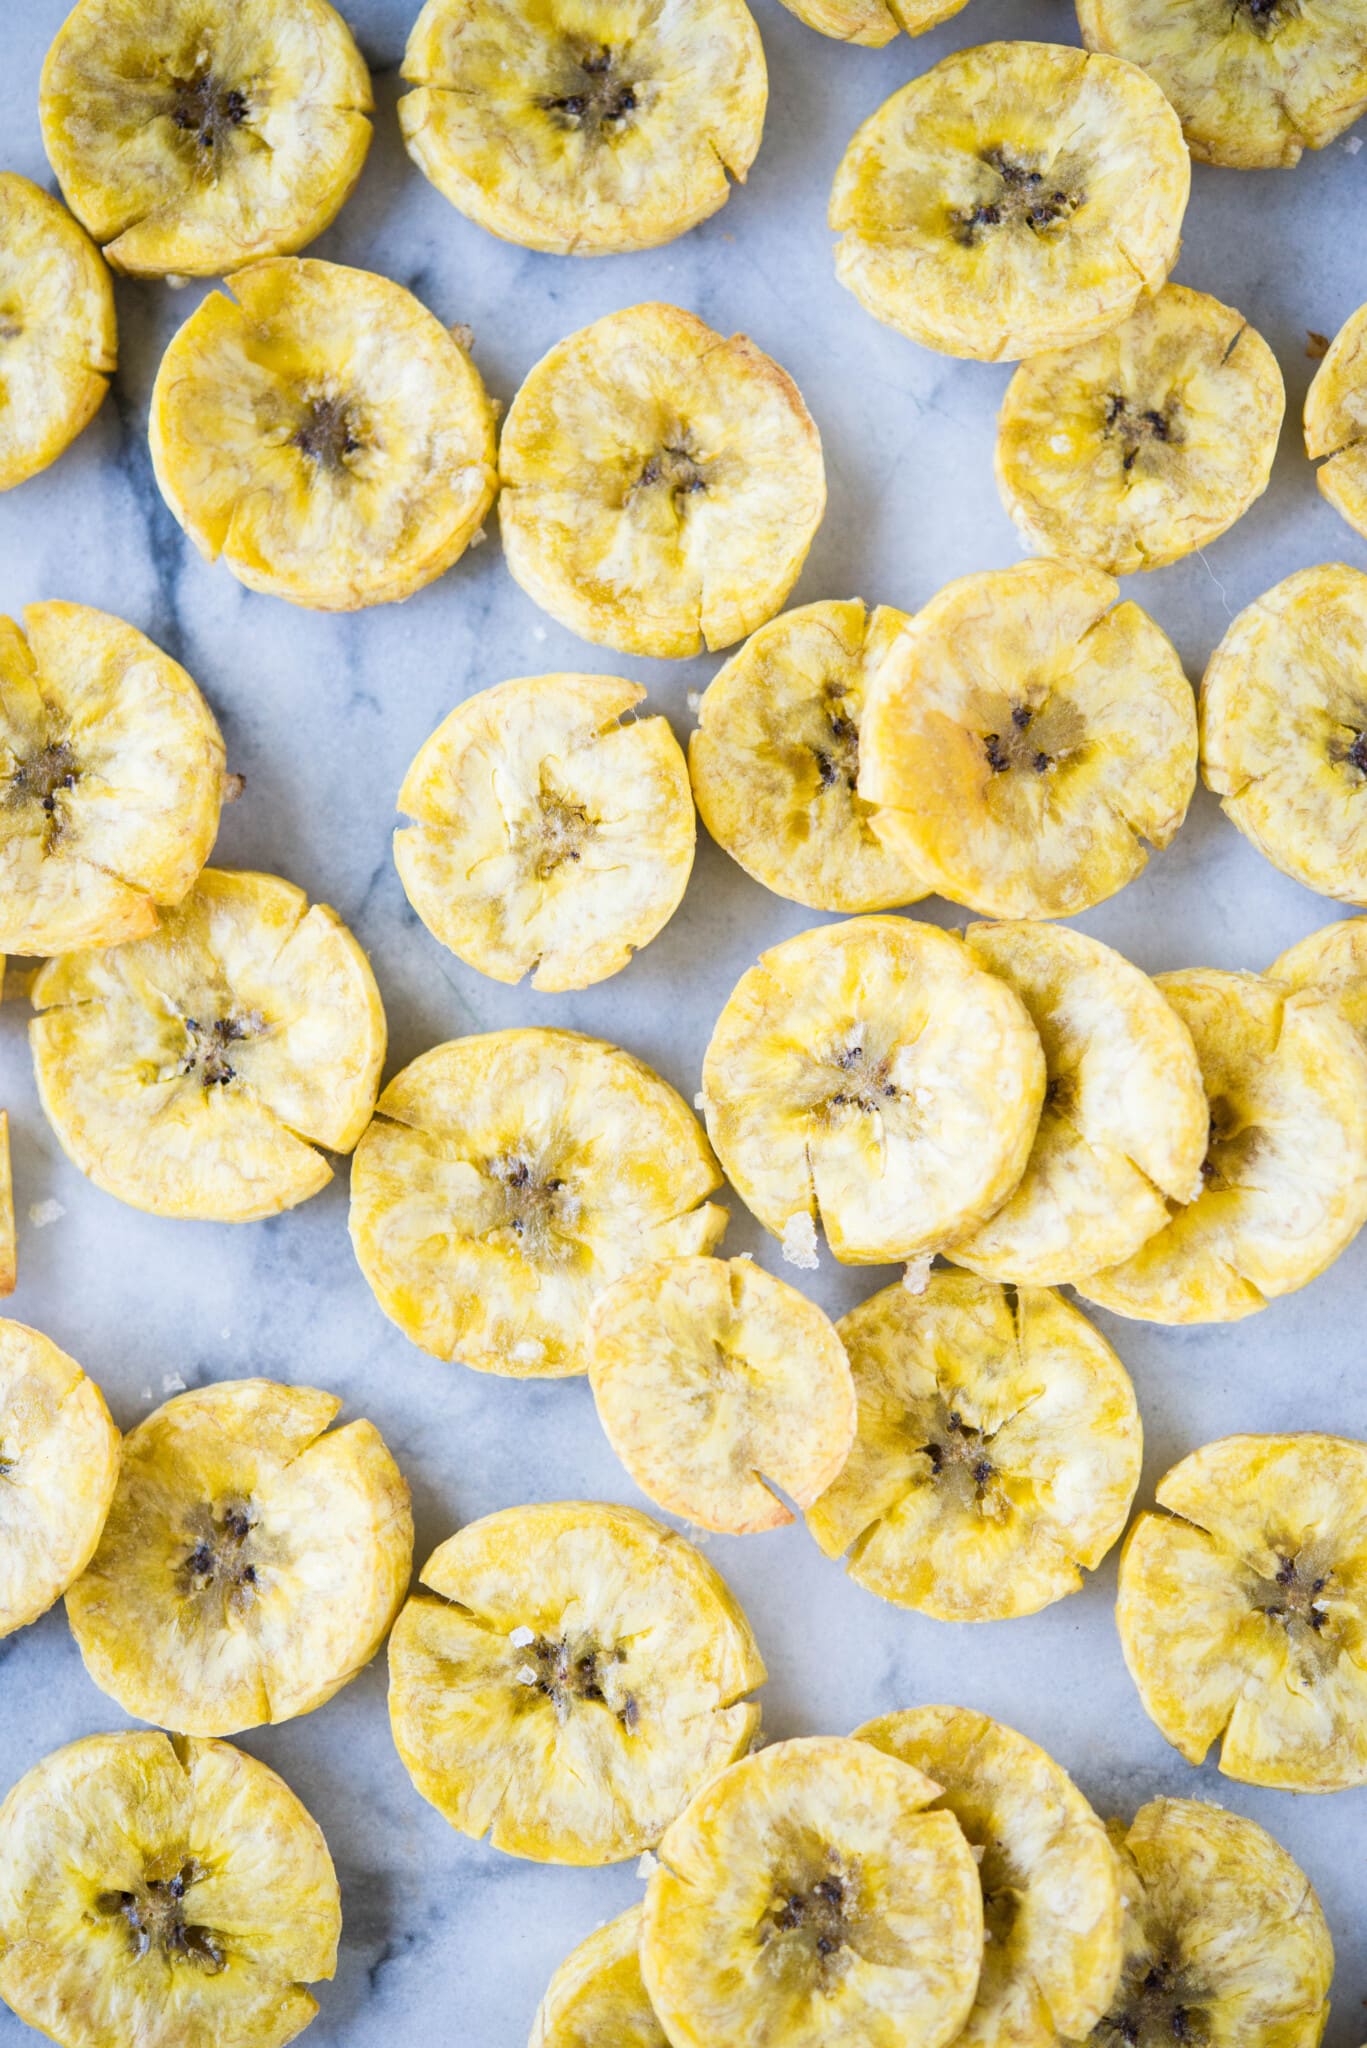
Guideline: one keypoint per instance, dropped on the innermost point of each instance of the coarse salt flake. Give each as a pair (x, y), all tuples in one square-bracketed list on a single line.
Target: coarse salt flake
[(916, 1277), (520, 1637), (799, 1242), (40, 1214)]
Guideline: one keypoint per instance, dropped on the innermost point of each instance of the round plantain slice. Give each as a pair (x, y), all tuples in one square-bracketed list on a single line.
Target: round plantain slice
[(997, 1452), (58, 333), (1336, 422), (872, 22), (596, 1999), (507, 1179), (775, 759), (660, 484), (1224, 1937), (197, 1072), (1284, 727), (1255, 82), (1125, 1121), (323, 435), (1051, 1883), (568, 1679), (1332, 962), (165, 1891), (192, 135), (1015, 198), (252, 1562), (604, 125), (871, 1077), (1242, 1609), (111, 781), (1027, 736), (59, 1460), (717, 1385), (1284, 1180), (555, 831), (1134, 449), (807, 1896)]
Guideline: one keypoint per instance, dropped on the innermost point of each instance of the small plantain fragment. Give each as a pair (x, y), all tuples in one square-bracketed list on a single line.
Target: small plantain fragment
[(59, 1463)]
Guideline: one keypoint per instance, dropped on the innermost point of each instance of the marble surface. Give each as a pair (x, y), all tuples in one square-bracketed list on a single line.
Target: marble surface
[(444, 1939)]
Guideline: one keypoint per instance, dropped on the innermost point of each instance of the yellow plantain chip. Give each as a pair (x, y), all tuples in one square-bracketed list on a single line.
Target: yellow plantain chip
[(721, 1389), (997, 1452), (808, 1897), (1050, 1880), (872, 22), (58, 333), (569, 1677), (596, 1999), (252, 1563), (1243, 1609), (59, 1461), (1336, 422), (1027, 736)]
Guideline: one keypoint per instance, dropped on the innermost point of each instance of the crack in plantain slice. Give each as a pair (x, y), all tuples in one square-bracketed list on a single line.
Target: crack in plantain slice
[(1125, 1122), (192, 135), (997, 1451), (584, 126), (1284, 1180), (808, 1896), (555, 831), (1015, 198), (1052, 1908), (569, 1677), (58, 332), (323, 435), (1284, 727), (596, 1999), (166, 1891), (775, 759), (1242, 1609), (1336, 422), (1255, 82), (870, 1076), (252, 1562), (872, 22), (1027, 737), (111, 781), (660, 484), (59, 1461), (722, 1390), (197, 1072), (1145, 444), (508, 1178)]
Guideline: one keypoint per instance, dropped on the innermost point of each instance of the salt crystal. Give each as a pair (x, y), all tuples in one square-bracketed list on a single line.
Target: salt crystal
[(40, 1214), (1059, 443), (172, 1383), (916, 1278), (698, 1102), (648, 1865), (694, 701), (538, 632), (527, 1675), (799, 1242), (1353, 144), (520, 1637), (528, 1351)]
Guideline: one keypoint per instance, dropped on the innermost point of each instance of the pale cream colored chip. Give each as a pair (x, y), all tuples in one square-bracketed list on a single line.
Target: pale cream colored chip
[(869, 1076), (1028, 738), (808, 1897), (192, 135), (59, 1460), (1222, 1932), (323, 435), (1255, 82), (660, 484), (165, 1891), (997, 1452), (1134, 449), (111, 781), (581, 126), (199, 1071), (775, 759), (568, 1679), (1243, 1609), (1331, 962), (555, 831), (508, 1179), (58, 333), (1125, 1121), (1014, 198), (596, 1999), (872, 22), (252, 1563), (1284, 727), (721, 1389), (1336, 422), (1284, 1181), (1050, 1880), (9, 1241)]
